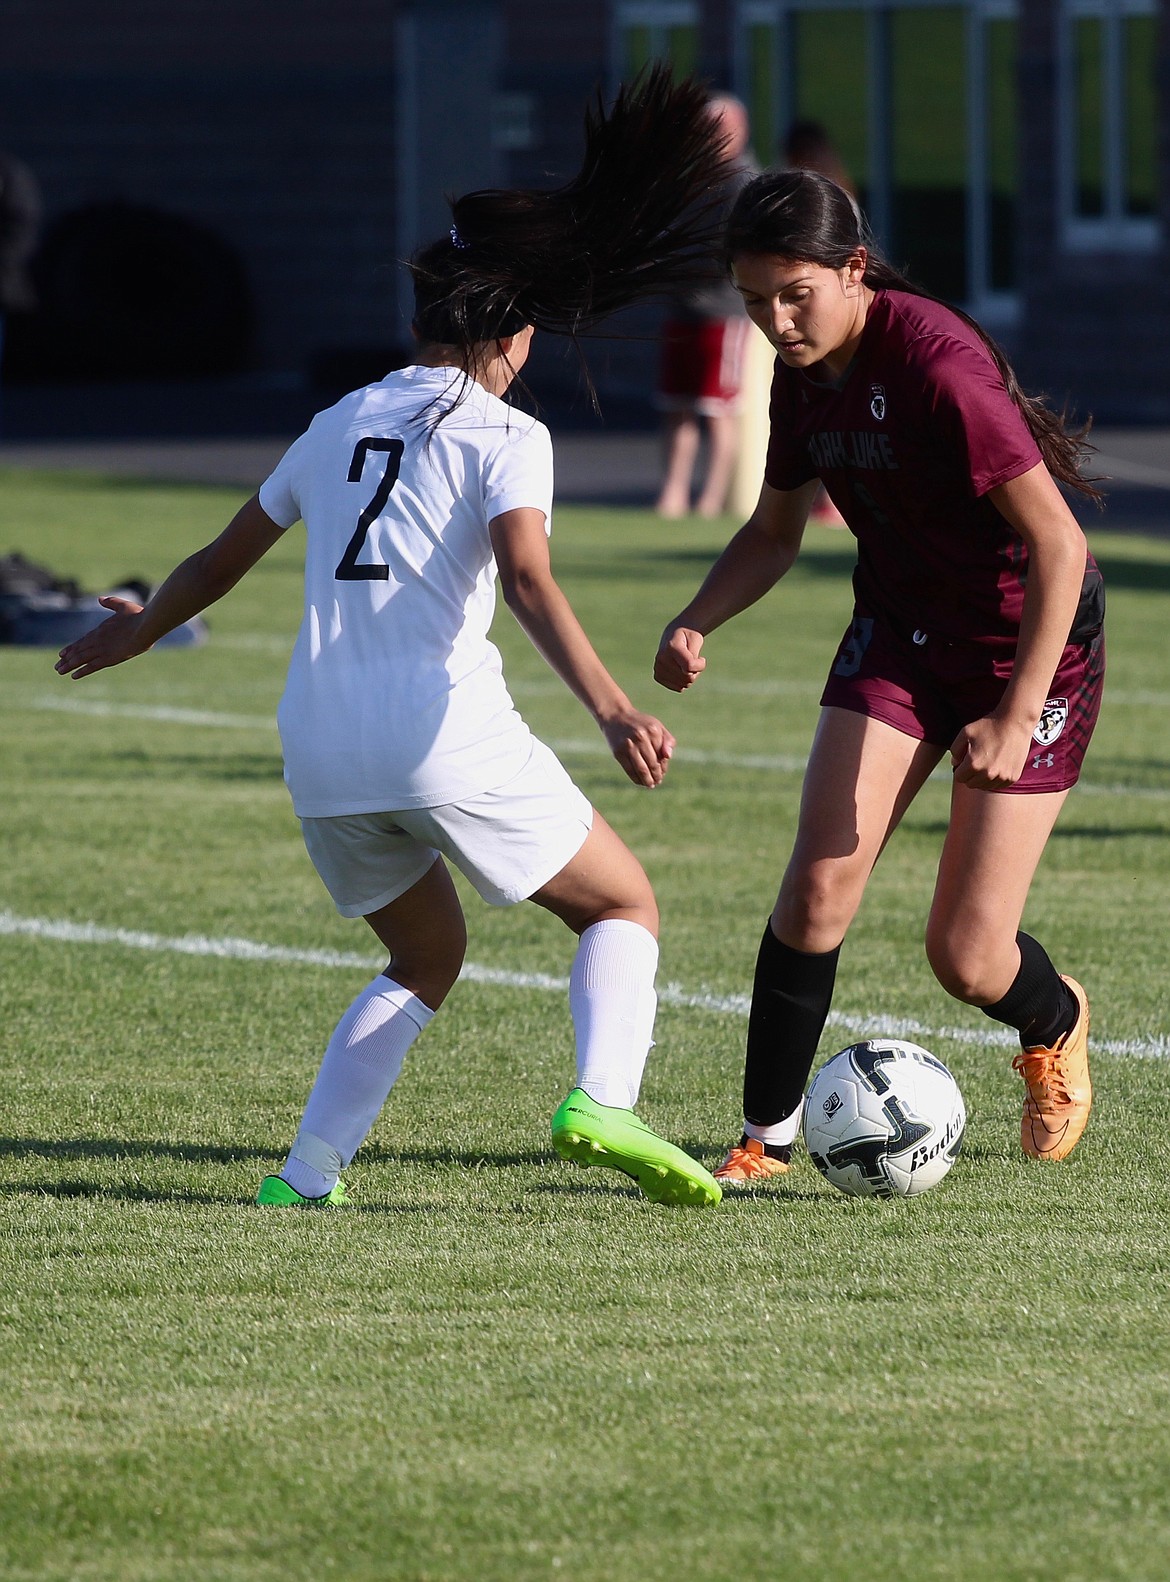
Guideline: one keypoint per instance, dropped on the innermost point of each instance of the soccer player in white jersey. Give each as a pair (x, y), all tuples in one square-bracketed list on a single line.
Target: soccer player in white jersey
[(402, 746)]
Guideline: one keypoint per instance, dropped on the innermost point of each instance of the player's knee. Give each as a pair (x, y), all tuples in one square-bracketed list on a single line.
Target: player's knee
[(430, 968), (630, 906), (615, 886), (813, 911), (642, 907), (960, 972)]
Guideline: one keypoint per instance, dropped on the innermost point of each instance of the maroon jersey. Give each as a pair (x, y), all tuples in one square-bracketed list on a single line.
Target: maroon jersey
[(907, 443)]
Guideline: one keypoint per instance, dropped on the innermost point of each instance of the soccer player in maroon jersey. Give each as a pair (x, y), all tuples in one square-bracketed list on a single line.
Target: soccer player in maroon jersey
[(976, 637)]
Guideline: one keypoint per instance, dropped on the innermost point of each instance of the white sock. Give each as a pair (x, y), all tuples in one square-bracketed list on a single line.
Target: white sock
[(779, 1135), (361, 1065), (612, 999)]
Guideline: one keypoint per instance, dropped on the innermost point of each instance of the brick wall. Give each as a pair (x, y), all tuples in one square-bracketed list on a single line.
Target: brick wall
[(272, 124)]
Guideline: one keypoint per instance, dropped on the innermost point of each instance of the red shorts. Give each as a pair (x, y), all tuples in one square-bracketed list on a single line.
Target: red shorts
[(929, 689), (702, 365)]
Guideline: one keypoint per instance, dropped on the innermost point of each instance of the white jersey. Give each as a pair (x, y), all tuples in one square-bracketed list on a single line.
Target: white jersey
[(395, 698)]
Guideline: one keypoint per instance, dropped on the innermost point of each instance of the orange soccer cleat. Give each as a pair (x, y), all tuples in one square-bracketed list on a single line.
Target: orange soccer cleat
[(747, 1163), (1060, 1094)]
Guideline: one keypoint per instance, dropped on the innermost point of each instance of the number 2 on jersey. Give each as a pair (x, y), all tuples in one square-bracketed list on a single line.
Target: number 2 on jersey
[(348, 567)]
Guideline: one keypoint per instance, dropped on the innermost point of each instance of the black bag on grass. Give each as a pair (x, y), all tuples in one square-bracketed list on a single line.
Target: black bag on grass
[(39, 609)]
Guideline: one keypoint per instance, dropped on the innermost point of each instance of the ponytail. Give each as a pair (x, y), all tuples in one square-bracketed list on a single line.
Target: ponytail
[(799, 214), (639, 219)]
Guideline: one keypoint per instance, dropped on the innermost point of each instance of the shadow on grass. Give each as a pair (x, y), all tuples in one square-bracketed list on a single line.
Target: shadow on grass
[(837, 564), (1125, 773), (1063, 831), (982, 1152), (1139, 576), (660, 562), (570, 1182), (157, 765), (118, 1192), (130, 1192), (212, 1153), (606, 1184), (119, 1148), (122, 1148)]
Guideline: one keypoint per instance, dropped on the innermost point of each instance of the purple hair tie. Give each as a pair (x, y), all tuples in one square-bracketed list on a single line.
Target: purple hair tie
[(457, 240)]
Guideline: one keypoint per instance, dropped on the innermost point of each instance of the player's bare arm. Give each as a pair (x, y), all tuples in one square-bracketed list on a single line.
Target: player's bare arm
[(198, 581), (753, 563), (639, 742), (991, 752)]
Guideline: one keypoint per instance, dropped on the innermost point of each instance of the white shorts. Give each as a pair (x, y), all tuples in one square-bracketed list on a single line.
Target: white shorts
[(508, 842)]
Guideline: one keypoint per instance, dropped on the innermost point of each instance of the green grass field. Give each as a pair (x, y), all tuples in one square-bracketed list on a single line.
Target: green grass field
[(499, 1366)]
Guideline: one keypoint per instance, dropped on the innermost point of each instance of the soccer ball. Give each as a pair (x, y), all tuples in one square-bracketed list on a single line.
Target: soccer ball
[(884, 1119)]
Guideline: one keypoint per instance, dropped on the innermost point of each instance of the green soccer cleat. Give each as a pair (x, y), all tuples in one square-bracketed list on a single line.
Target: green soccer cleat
[(594, 1134), (275, 1191)]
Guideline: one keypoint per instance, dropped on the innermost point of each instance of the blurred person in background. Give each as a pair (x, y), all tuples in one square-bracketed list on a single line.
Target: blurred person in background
[(807, 145), (701, 369)]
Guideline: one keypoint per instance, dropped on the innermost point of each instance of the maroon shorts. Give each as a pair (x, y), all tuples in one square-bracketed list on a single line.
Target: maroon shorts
[(929, 689), (702, 365)]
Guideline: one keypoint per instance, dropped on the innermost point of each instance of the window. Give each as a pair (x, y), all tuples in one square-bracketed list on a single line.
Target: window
[(995, 198), (929, 126), (647, 30), (1108, 108), (828, 60), (920, 99)]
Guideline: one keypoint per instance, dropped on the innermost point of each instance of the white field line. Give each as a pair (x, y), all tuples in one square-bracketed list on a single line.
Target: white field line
[(771, 687), (549, 685), (774, 763), (255, 642), (851, 1024), (1138, 699), (164, 714)]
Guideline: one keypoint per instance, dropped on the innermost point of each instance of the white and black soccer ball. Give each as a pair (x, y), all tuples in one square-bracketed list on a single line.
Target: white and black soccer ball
[(884, 1118)]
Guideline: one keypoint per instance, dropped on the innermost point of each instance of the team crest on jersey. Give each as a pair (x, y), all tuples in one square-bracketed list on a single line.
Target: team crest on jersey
[(1052, 721), (877, 401)]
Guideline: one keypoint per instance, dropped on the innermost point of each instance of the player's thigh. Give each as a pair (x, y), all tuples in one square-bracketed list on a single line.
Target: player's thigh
[(375, 869), (426, 923), (993, 845), (862, 775), (603, 880)]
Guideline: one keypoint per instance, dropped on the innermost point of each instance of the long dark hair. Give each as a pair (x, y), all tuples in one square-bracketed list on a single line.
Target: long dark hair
[(801, 215), (639, 219)]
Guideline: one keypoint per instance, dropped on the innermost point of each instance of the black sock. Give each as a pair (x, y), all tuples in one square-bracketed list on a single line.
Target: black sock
[(791, 995), (781, 1151), (1039, 1004)]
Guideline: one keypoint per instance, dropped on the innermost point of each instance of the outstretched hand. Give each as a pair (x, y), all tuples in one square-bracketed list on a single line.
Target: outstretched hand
[(678, 663), (114, 641), (641, 744)]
